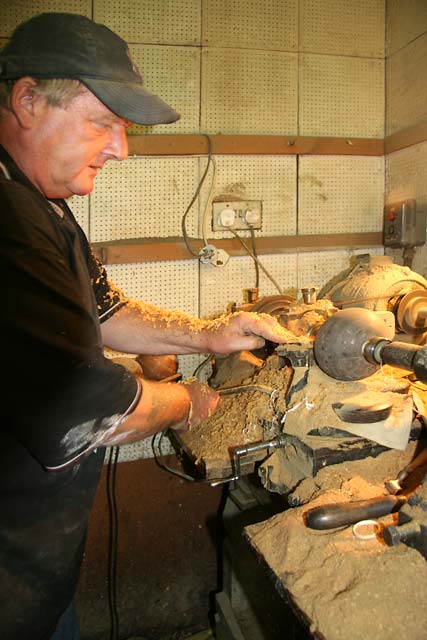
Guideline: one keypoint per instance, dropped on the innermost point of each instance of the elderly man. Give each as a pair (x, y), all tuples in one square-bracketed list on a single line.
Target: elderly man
[(68, 91)]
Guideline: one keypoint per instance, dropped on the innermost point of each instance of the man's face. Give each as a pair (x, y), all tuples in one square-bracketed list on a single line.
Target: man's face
[(69, 146)]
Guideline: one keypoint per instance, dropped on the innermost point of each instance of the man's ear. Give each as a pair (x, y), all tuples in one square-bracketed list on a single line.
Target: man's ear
[(23, 101)]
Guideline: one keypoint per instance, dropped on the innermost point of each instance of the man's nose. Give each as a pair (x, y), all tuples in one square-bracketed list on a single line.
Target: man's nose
[(118, 145)]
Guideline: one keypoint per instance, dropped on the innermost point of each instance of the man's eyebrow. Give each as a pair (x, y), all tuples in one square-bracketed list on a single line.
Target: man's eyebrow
[(111, 117)]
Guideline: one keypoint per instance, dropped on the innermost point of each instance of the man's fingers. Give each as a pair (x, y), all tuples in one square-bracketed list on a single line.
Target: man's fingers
[(252, 342), (266, 326)]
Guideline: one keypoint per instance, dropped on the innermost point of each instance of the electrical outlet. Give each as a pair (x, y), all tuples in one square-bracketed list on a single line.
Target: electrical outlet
[(238, 215)]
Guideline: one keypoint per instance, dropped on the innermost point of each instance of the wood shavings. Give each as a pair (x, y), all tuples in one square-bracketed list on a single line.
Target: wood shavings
[(303, 317), (314, 406), (241, 418), (348, 589)]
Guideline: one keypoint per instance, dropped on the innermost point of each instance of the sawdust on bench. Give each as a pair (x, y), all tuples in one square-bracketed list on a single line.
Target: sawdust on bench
[(346, 588), (241, 418)]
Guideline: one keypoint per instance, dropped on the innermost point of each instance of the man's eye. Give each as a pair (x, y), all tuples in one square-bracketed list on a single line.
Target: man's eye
[(106, 126)]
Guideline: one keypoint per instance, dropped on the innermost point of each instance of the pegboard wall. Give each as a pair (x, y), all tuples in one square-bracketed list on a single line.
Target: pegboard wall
[(79, 205), (173, 73), (244, 90), (173, 285), (341, 96), (147, 197), (160, 22), (406, 97), (343, 27), (271, 179), (405, 21), (16, 11), (221, 286), (406, 177), (340, 194), (406, 174), (245, 67), (143, 197), (237, 23)]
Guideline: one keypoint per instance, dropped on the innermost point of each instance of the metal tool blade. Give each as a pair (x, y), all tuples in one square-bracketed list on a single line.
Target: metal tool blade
[(360, 414)]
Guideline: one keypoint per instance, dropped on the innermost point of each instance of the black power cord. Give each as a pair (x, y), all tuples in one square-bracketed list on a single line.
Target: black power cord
[(113, 535), (193, 199), (255, 258)]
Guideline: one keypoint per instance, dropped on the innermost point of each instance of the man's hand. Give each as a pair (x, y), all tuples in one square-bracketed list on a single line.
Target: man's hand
[(145, 329), (203, 402), (162, 406), (246, 331)]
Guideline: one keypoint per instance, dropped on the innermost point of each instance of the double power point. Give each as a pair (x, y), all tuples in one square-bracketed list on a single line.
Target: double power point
[(238, 215)]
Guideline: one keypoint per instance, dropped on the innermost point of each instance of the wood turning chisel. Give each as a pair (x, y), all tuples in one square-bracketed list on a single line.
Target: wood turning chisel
[(341, 514)]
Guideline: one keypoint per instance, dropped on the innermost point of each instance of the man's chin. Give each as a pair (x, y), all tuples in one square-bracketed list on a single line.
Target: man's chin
[(83, 189)]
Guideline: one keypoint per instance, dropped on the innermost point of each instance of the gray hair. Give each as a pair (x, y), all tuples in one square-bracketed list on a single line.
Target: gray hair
[(58, 92)]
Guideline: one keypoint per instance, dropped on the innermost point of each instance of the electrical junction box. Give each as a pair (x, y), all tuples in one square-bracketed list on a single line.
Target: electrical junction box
[(237, 215), (404, 226)]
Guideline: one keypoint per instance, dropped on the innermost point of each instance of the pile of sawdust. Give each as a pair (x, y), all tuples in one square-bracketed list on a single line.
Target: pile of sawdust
[(341, 477), (241, 417), (346, 588), (313, 406), (303, 317), (234, 369)]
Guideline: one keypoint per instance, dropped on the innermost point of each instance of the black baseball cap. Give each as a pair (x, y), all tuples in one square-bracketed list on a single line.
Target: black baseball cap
[(67, 45)]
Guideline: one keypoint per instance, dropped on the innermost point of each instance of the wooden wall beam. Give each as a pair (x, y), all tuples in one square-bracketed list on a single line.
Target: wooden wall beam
[(406, 137), (165, 249), (170, 145)]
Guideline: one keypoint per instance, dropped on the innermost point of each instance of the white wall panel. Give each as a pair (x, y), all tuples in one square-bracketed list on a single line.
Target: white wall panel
[(406, 84), (222, 286), (271, 179), (405, 21), (12, 12), (143, 197), (420, 260), (170, 285), (145, 21), (406, 177), (341, 96), (342, 27), (340, 194), (317, 268), (271, 24), (406, 174), (248, 91), (172, 73)]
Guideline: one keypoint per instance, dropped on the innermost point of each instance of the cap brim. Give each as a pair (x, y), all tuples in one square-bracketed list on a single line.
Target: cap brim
[(132, 102)]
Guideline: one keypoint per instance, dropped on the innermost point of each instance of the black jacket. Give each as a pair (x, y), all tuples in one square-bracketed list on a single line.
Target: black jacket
[(59, 396)]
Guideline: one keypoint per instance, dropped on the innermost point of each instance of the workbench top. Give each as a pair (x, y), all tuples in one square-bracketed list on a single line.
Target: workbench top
[(343, 587)]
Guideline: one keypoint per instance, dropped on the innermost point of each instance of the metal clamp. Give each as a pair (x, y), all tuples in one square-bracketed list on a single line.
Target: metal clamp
[(275, 443)]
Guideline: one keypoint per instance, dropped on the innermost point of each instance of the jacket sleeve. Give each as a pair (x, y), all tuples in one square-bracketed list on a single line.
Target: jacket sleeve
[(61, 393)]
